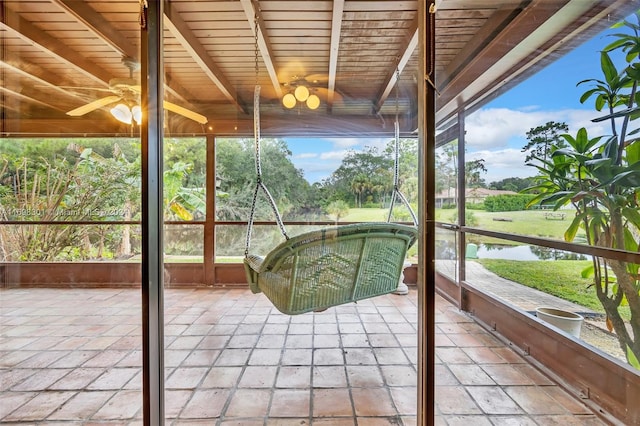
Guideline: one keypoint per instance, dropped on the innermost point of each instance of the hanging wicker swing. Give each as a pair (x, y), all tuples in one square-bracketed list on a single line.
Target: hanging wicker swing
[(332, 266)]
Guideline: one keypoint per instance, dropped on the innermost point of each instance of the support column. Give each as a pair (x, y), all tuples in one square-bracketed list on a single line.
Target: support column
[(426, 242), (209, 225), (152, 214)]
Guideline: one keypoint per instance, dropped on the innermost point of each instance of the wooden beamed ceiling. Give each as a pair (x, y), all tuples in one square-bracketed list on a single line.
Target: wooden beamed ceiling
[(58, 55)]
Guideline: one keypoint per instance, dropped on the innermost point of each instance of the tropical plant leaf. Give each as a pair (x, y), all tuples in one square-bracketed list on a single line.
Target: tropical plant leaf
[(572, 230), (631, 357), (633, 152), (588, 271), (181, 212), (608, 68)]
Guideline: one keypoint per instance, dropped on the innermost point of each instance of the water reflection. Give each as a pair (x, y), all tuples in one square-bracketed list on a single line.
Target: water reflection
[(507, 252)]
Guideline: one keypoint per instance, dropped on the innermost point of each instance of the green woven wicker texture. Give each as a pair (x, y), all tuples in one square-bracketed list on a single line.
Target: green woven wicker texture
[(332, 266)]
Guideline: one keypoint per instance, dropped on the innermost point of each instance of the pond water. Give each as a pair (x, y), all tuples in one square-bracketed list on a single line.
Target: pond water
[(524, 252)]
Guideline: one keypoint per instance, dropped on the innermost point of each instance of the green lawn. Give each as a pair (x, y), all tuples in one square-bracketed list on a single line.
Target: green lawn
[(528, 222), (366, 215), (561, 278)]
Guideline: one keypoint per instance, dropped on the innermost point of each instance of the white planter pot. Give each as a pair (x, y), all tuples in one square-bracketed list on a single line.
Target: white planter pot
[(569, 322)]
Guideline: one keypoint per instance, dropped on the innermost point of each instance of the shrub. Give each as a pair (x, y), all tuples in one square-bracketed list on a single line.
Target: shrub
[(507, 203)]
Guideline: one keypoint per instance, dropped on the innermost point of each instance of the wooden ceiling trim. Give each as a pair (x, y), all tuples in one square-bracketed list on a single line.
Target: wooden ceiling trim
[(459, 23), (288, 5), (380, 16), (96, 23), (451, 14), (391, 5), (405, 54), (482, 40), (308, 25), (453, 31), (476, 4), (220, 25), (214, 16), (264, 45), (190, 6), (468, 84), (297, 16), (334, 50), (299, 32), (376, 25), (53, 47), (198, 53), (305, 40)]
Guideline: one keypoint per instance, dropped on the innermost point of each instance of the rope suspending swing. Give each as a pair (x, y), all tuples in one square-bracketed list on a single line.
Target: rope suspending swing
[(327, 267)]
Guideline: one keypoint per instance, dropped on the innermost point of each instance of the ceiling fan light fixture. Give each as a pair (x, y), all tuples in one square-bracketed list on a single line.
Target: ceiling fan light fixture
[(313, 102), (289, 101), (301, 93), (122, 113), (136, 111)]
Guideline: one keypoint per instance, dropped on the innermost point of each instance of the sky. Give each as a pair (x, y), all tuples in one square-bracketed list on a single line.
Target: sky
[(497, 131)]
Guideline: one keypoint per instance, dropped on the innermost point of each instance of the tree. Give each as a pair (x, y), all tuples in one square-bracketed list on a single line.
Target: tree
[(472, 170), (514, 184), (74, 184), (447, 169), (600, 177), (359, 184), (338, 209), (235, 166), (543, 140), (358, 175)]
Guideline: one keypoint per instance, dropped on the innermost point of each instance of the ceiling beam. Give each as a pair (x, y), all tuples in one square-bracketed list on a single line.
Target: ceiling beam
[(252, 11), (96, 23), (29, 33), (26, 98), (480, 41), (475, 70), (392, 76), (38, 80), (334, 49), (180, 30)]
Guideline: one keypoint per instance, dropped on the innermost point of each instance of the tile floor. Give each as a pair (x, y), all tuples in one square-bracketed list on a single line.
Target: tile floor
[(72, 357)]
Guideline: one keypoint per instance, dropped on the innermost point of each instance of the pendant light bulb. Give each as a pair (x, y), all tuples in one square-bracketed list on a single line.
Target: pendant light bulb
[(289, 101), (302, 93)]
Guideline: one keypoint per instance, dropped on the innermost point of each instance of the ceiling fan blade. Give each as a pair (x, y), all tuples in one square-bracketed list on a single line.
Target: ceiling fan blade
[(185, 112), (323, 93), (317, 78), (91, 106)]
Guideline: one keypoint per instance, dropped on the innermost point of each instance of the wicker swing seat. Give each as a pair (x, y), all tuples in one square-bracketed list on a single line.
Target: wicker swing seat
[(332, 266)]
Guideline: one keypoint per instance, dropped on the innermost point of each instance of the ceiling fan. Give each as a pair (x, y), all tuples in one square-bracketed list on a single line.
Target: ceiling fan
[(126, 91), (308, 89)]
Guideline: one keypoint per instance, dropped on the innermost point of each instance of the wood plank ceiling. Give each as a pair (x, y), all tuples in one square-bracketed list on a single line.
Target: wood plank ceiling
[(58, 55)]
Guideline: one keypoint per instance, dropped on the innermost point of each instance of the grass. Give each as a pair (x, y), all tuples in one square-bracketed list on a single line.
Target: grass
[(528, 222), (560, 278), (366, 215)]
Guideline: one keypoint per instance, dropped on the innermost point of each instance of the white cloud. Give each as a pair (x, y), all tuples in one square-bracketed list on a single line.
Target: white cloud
[(334, 155), (495, 127), (497, 135), (502, 164), (502, 127), (344, 142), (306, 155)]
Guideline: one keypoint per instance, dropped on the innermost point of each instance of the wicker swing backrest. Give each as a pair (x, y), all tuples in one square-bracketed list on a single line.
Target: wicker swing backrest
[(332, 266)]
